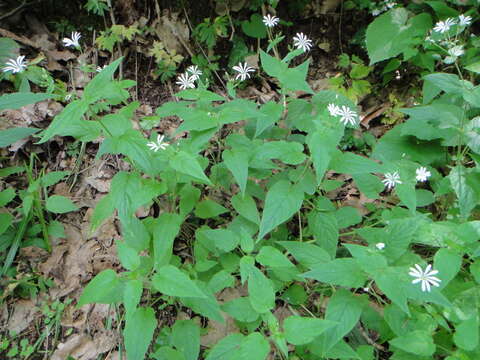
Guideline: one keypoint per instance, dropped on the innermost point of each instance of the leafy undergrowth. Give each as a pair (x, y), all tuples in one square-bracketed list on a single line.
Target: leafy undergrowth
[(287, 224)]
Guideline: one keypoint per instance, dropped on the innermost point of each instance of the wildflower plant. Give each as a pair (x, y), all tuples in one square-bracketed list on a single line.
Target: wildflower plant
[(393, 271)]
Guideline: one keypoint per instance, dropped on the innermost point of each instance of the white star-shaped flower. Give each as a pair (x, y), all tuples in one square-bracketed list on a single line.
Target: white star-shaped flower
[(391, 179), (243, 71), (186, 82), (333, 109), (194, 71), (74, 41), (425, 277), (347, 116), (444, 26), (422, 174), (300, 41), (15, 65), (100, 68), (376, 12), (270, 21), (380, 246), (159, 145), (464, 20)]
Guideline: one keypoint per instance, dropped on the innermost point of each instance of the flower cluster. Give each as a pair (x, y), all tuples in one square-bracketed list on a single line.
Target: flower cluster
[(347, 116), (187, 79), (393, 178), (15, 65)]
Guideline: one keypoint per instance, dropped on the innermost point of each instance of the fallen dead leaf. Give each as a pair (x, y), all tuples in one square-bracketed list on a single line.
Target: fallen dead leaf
[(23, 314), (70, 263), (83, 347)]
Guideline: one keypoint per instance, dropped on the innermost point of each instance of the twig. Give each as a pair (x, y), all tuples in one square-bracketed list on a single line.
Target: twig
[(17, 38), (369, 340), (201, 48), (13, 11)]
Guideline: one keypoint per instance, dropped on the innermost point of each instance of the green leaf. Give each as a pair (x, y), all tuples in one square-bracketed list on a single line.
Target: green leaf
[(301, 330), (252, 347), (282, 201), (345, 309), (393, 146), (329, 137), (467, 197), (6, 196), (206, 306), (17, 100), (132, 294), (271, 257), (415, 342), (136, 341), (260, 291), (5, 222), (128, 256), (245, 206), (306, 254), (104, 288), (53, 177), (466, 333), (237, 162), (344, 272), (391, 283), (169, 280), (225, 348), (189, 196), (186, 164), (474, 67), (392, 33), (186, 338), (218, 239), (70, 123), (350, 163), (166, 228), (240, 309), (167, 353), (96, 88), (60, 204), (9, 136), (269, 114), (288, 152), (255, 27), (209, 209), (448, 263), (324, 227)]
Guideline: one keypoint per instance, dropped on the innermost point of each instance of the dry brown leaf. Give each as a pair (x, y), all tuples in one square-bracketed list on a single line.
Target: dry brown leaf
[(70, 263), (173, 32), (23, 314), (83, 347)]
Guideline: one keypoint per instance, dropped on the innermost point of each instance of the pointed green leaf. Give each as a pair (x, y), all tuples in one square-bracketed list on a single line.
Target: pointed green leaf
[(138, 332), (283, 200), (171, 281), (301, 330)]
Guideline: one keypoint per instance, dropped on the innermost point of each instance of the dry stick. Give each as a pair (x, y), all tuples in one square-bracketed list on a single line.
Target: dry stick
[(201, 48), (112, 19), (17, 38), (369, 340), (13, 11)]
